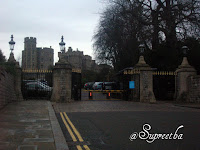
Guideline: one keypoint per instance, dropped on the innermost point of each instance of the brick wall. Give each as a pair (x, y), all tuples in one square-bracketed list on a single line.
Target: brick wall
[(194, 88), (7, 92)]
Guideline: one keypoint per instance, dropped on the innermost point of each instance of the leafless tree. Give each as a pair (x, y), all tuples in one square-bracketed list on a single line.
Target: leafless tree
[(2, 57), (172, 20), (118, 35), (126, 23)]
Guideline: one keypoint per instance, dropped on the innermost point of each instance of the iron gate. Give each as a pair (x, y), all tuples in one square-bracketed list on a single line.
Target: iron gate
[(164, 85), (131, 74), (37, 84), (76, 84), (123, 78)]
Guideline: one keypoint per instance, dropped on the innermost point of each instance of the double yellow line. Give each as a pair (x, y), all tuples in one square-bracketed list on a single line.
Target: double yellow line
[(69, 124)]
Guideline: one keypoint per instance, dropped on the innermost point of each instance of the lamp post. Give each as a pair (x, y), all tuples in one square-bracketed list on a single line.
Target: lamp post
[(185, 50), (62, 45), (12, 44), (141, 49), (141, 58), (62, 54)]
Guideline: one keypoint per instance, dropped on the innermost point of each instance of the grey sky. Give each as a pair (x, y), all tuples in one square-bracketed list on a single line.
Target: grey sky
[(48, 20)]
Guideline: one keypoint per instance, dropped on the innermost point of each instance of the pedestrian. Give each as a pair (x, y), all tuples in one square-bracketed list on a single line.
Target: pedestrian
[(103, 86)]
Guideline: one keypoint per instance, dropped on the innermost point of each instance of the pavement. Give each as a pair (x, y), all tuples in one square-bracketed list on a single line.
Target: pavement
[(188, 105), (30, 125), (33, 125), (181, 104)]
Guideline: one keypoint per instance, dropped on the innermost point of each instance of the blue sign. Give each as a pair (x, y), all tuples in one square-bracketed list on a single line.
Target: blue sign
[(131, 84)]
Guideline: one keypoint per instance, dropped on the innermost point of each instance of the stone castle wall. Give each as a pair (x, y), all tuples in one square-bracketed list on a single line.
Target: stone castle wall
[(29, 54), (36, 58), (45, 58), (7, 89), (78, 60)]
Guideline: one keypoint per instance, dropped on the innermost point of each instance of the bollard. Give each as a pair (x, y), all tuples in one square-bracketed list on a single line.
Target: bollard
[(90, 95), (108, 95)]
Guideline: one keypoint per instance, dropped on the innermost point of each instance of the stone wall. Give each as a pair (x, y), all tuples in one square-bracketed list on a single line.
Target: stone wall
[(45, 58), (36, 57), (193, 88), (78, 60), (7, 89)]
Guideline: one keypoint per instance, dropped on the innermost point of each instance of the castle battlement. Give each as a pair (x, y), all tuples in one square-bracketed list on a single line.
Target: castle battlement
[(77, 53), (78, 60), (36, 57), (30, 39), (87, 57), (70, 52)]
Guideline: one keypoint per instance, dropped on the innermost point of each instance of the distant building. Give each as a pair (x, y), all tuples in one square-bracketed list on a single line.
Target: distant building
[(36, 58), (80, 61)]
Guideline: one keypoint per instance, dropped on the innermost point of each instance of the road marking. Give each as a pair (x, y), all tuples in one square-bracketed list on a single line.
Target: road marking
[(86, 147), (73, 127), (79, 147), (68, 128)]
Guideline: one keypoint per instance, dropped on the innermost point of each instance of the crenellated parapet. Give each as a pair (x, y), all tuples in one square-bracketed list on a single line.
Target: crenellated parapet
[(30, 39), (78, 60)]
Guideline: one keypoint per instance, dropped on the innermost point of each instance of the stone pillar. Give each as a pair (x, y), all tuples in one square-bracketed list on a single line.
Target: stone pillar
[(18, 82), (183, 72), (62, 78), (17, 77), (146, 81)]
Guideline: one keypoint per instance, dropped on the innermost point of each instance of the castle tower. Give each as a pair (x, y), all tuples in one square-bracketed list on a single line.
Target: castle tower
[(29, 54)]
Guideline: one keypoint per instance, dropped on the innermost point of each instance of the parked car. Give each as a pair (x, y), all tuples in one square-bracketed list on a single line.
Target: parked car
[(97, 86), (88, 86), (37, 89), (43, 81), (110, 85), (27, 81)]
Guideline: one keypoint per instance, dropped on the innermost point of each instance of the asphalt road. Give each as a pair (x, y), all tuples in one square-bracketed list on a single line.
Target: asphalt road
[(112, 130)]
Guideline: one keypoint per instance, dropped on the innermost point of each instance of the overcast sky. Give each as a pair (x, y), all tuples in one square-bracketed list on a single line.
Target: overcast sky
[(48, 20)]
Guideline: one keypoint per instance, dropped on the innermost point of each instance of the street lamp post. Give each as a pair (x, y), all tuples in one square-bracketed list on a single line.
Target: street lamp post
[(141, 58), (62, 54), (11, 44), (141, 49), (185, 50), (62, 45)]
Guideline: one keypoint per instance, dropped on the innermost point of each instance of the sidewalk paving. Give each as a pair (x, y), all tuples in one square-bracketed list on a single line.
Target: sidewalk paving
[(30, 125), (182, 104), (188, 105)]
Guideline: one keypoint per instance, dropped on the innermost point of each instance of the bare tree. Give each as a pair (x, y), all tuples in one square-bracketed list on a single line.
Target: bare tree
[(2, 57), (118, 35), (126, 23), (172, 19)]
